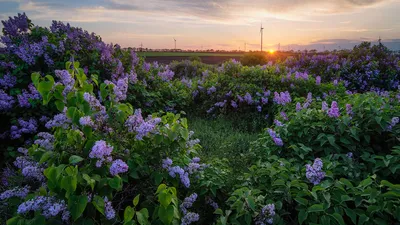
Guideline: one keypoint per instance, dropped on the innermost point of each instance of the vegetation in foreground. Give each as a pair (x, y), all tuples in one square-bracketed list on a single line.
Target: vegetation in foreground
[(92, 134)]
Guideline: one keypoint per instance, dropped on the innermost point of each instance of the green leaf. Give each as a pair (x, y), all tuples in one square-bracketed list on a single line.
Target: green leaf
[(363, 218), (128, 214), (302, 216), (38, 220), (69, 183), (35, 77), (166, 214), (115, 182), (45, 157), (316, 208), (338, 218), (251, 203), (98, 203), (165, 198), (218, 211), (74, 159), (301, 201), (365, 182), (77, 205), (350, 213), (136, 200), (60, 105), (142, 216), (14, 221)]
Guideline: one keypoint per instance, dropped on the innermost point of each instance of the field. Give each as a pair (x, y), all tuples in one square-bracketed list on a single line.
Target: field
[(212, 58), (206, 57), (95, 134)]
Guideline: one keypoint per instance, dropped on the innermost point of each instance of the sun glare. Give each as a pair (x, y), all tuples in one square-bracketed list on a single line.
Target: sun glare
[(271, 51)]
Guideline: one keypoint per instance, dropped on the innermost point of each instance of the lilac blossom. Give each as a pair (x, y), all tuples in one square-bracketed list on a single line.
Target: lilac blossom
[(109, 210), (248, 99), (282, 98), (266, 215), (234, 104), (334, 110), (59, 120), (8, 81), (6, 101), (101, 151), (118, 166), (314, 173), (278, 141), (49, 207), (86, 121), (318, 80), (298, 107), (25, 127), (211, 90), (16, 192), (45, 140), (167, 74), (349, 110)]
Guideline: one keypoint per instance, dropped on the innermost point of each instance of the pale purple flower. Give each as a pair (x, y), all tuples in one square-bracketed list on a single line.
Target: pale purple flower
[(314, 173), (101, 151), (118, 166), (334, 110)]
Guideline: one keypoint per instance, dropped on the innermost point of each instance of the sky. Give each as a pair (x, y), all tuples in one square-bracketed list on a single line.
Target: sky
[(223, 24)]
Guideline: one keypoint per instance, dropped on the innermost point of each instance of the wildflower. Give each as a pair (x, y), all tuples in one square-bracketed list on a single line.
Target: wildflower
[(211, 90)]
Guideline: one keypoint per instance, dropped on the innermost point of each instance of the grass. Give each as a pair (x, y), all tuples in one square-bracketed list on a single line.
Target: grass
[(188, 54), (222, 138)]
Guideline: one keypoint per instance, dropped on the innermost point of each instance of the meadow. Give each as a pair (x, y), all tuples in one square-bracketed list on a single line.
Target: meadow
[(95, 134)]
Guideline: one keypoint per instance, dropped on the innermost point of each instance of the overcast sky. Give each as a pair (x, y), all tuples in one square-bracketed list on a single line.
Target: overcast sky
[(222, 24)]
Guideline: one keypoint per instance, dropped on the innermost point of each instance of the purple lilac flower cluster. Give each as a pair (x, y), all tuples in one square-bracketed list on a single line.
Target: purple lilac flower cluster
[(212, 203), (59, 120), (118, 166), (334, 110), (101, 151), (25, 127), (318, 80), (211, 90), (266, 215), (136, 123), (49, 207), (86, 121), (393, 122), (282, 98), (24, 98), (66, 79), (45, 140), (349, 110), (8, 81), (167, 74), (298, 107), (16, 192), (183, 173), (120, 88), (188, 217), (275, 137), (109, 210), (314, 173), (6, 101), (308, 101), (248, 99)]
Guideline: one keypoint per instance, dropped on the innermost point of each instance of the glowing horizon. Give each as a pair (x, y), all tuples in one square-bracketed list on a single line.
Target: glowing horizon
[(223, 24)]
